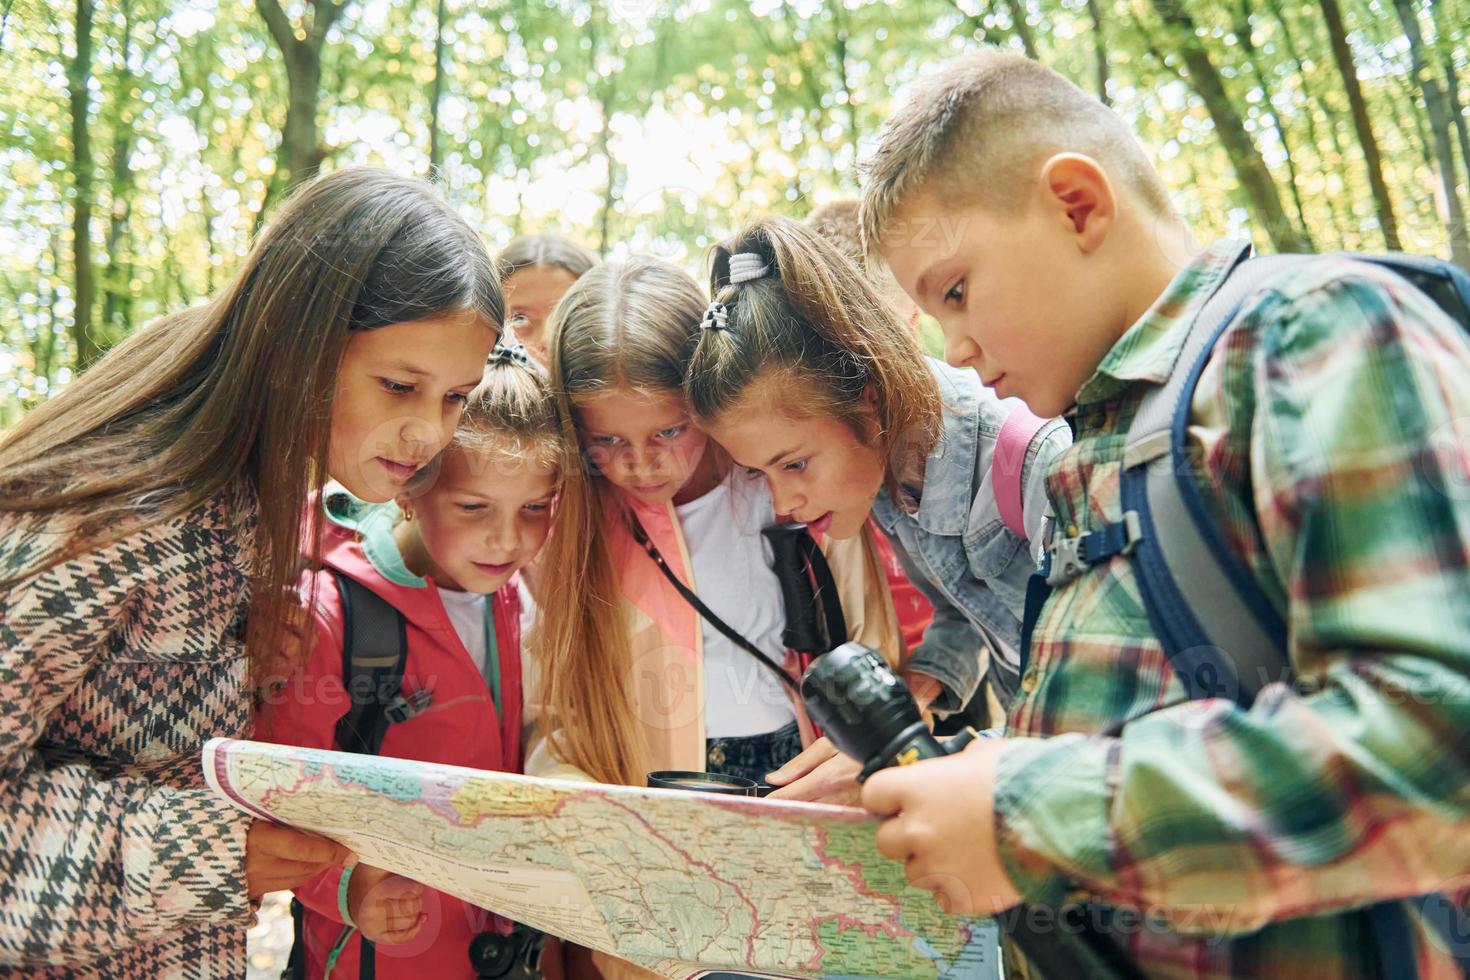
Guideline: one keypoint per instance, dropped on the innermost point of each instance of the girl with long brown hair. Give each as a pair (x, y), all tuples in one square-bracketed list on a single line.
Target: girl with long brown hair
[(634, 676), (813, 383), (141, 512)]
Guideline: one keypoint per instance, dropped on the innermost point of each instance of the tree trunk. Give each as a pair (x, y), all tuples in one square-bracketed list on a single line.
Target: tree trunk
[(1439, 128), (300, 154), (1099, 50), (1243, 31), (117, 286), (436, 151), (1372, 158), (1250, 169), (1310, 115), (1017, 10), (84, 286), (4, 22), (607, 99), (845, 81), (1452, 88)]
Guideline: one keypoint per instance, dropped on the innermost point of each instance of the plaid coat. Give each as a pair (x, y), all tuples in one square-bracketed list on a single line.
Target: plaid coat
[(115, 666)]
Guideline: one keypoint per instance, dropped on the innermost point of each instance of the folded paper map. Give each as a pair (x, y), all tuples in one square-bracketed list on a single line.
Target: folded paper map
[(679, 882)]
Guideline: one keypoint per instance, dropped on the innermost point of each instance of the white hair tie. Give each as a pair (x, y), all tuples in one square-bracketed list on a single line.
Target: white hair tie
[(745, 266)]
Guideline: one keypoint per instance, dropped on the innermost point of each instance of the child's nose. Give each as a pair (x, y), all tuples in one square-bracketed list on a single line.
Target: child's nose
[(959, 350), (785, 500), (424, 437), (502, 537)]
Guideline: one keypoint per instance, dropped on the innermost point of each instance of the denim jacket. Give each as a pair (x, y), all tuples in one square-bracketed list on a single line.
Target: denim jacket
[(957, 550)]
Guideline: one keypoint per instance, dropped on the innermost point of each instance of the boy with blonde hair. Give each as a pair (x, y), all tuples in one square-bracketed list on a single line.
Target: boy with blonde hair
[(1287, 834)]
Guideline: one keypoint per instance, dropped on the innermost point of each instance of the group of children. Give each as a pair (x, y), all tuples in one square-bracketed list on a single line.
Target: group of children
[(532, 463)]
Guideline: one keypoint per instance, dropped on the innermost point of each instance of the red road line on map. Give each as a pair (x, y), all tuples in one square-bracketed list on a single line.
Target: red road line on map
[(754, 915)]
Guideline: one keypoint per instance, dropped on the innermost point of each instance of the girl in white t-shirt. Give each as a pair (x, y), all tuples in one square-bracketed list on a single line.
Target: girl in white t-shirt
[(633, 677)]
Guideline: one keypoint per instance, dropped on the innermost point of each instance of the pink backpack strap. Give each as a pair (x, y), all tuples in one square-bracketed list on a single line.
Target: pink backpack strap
[(1016, 433)]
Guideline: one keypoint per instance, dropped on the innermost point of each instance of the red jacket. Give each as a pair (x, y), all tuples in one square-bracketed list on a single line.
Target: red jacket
[(460, 726)]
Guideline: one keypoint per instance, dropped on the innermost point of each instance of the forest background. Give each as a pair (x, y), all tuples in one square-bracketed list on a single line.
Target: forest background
[(143, 143)]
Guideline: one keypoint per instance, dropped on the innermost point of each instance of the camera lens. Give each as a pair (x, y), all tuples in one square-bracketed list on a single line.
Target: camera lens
[(861, 704)]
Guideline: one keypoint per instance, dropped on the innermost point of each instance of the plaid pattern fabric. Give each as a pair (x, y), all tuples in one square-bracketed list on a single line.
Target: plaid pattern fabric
[(115, 666), (1331, 430)]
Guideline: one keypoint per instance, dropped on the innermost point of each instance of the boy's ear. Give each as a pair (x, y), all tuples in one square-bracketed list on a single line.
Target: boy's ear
[(1077, 190)]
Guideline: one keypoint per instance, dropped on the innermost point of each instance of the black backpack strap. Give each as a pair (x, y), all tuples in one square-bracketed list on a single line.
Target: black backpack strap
[(815, 622), (829, 602), (374, 656)]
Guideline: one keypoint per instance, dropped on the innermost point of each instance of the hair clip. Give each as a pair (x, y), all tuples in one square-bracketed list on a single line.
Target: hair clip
[(510, 354), (717, 317), (745, 266)]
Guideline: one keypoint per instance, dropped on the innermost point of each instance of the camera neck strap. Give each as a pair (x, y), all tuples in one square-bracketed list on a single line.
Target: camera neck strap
[(641, 536)]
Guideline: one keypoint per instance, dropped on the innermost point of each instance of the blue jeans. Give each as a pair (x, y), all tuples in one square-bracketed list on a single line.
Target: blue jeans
[(752, 756)]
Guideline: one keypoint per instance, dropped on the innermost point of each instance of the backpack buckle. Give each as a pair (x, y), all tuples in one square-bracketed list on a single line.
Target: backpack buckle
[(1070, 557), (404, 707), (1066, 561)]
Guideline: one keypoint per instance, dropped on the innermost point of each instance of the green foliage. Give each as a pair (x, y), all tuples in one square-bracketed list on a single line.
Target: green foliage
[(641, 125)]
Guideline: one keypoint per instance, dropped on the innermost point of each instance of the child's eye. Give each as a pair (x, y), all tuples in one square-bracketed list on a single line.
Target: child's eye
[(457, 397), (536, 508), (395, 387), (470, 508), (603, 440), (795, 466), (751, 473), (673, 431), (517, 318), (956, 293)]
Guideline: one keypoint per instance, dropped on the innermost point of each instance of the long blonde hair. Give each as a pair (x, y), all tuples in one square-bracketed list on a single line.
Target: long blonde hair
[(240, 388), (624, 324)]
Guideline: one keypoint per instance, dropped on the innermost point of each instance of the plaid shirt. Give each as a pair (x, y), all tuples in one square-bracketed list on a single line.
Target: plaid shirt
[(1332, 426)]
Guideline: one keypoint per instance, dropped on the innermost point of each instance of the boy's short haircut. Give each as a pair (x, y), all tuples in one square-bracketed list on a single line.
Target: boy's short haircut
[(839, 222), (977, 129)]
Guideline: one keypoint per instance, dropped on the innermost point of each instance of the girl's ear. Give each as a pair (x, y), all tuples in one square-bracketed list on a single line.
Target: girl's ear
[(870, 396)]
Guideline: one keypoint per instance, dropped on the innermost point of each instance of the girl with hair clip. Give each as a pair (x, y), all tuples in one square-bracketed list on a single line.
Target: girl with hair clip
[(144, 508), (635, 678), (445, 558), (812, 381), (535, 272)]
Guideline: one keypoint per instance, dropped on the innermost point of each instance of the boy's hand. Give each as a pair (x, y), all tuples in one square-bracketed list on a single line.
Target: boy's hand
[(277, 858), (387, 908), (820, 774), (941, 824)]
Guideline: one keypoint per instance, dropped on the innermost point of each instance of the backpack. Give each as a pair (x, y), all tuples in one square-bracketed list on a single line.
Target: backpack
[(1214, 599), (374, 657)]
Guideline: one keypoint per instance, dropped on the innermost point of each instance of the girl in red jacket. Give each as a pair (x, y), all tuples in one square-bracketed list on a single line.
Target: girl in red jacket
[(445, 556)]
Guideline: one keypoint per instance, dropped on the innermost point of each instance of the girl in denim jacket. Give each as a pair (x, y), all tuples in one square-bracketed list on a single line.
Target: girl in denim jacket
[(807, 378)]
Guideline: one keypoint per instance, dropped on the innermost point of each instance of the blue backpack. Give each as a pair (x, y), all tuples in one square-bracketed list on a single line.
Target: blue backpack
[(1201, 599)]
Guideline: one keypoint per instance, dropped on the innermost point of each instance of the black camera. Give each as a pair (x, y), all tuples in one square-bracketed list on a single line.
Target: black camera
[(870, 715), (868, 712), (510, 957)]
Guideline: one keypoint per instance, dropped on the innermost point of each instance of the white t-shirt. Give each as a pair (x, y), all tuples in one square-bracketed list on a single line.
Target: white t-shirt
[(733, 576), (467, 612)]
